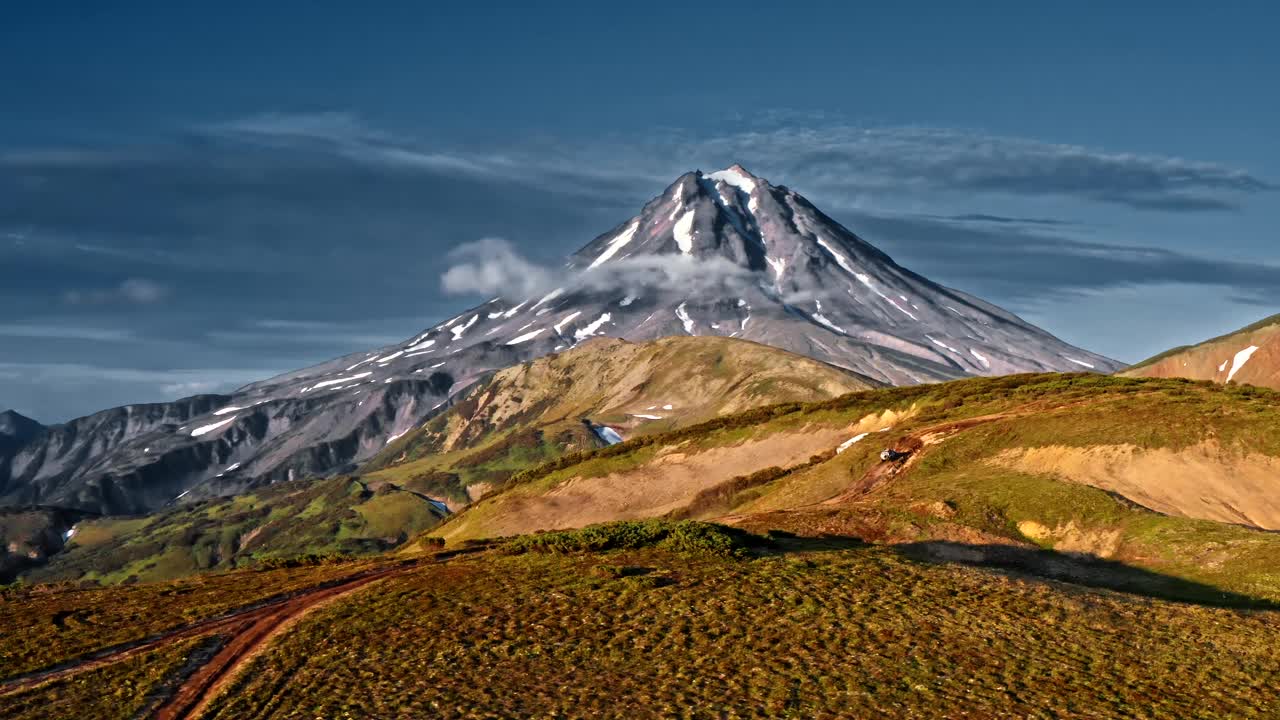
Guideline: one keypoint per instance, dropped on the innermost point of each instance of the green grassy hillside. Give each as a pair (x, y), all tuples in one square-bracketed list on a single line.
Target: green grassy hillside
[(1045, 546), (533, 412), (1173, 476), (336, 516), (662, 620)]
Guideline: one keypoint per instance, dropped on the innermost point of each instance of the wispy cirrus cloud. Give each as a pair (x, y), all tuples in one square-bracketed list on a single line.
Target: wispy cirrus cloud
[(904, 158), (815, 149), (57, 331), (1019, 262), (267, 189), (140, 291)]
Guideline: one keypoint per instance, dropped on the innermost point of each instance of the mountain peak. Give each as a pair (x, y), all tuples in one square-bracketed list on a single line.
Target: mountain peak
[(763, 263), (722, 254), (18, 426), (739, 177)]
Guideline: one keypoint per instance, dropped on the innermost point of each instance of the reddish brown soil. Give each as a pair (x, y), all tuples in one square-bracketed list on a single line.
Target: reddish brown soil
[(246, 631), (914, 446), (248, 637)]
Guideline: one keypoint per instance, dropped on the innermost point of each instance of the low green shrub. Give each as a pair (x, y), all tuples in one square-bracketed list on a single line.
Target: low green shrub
[(685, 536), (304, 560)]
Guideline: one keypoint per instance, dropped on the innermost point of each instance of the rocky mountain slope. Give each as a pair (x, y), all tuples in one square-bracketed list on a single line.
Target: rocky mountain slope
[(724, 253), (598, 392), (1250, 356)]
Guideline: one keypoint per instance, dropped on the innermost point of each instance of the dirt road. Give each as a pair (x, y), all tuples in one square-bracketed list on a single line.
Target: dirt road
[(244, 632)]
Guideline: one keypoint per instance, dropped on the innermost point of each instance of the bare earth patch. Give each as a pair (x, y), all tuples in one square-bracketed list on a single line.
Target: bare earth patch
[(669, 482), (1205, 481), (1071, 538)]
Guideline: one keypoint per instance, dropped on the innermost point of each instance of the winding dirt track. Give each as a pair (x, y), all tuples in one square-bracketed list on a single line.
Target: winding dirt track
[(917, 445), (914, 445), (246, 632), (249, 637)]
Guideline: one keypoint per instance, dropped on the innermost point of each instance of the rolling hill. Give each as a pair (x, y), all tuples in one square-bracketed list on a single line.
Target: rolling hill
[(1168, 475), (636, 620), (330, 517), (1041, 544), (538, 410), (521, 416), (1250, 355)]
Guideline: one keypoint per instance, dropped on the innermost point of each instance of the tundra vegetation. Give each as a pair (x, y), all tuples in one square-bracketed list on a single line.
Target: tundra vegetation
[(981, 572)]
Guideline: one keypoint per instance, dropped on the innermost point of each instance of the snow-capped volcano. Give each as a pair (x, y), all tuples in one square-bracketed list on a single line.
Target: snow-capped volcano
[(727, 253), (723, 253)]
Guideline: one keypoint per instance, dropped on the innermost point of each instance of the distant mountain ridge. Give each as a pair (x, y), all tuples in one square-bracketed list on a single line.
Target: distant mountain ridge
[(597, 393), (724, 253), (514, 419), (1250, 355)]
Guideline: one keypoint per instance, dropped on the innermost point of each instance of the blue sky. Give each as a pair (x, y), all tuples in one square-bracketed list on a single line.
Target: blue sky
[(191, 199)]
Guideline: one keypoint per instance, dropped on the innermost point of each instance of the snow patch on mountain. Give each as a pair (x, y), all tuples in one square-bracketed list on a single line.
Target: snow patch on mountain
[(827, 322), (616, 244), (683, 231), (850, 442), (341, 380), (736, 177), (838, 256), (458, 331), (206, 429), (526, 337), (373, 356), (592, 327), (778, 264), (942, 345), (1240, 359), (685, 319), (559, 327)]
